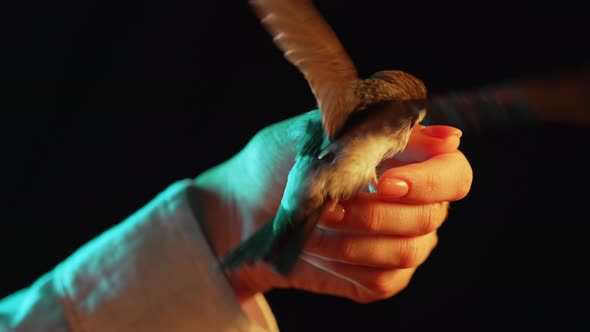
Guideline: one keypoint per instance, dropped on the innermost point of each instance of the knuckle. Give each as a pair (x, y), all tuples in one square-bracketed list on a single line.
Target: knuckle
[(347, 252), (429, 187), (428, 219), (410, 254), (383, 286), (372, 220), (432, 217)]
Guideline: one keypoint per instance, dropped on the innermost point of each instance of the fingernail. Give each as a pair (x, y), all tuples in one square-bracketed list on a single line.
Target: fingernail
[(442, 131), (334, 214), (393, 187)]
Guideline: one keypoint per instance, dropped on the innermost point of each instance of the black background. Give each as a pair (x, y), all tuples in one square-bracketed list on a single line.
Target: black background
[(106, 103)]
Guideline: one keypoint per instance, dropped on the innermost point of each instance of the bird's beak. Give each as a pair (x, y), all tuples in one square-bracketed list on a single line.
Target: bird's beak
[(421, 115)]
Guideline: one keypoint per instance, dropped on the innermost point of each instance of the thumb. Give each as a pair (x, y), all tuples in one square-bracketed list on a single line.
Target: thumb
[(426, 142)]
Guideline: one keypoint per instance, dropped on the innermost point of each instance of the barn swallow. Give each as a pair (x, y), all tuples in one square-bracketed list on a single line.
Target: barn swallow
[(363, 122)]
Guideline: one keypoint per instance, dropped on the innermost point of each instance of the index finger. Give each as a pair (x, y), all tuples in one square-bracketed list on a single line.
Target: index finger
[(444, 177)]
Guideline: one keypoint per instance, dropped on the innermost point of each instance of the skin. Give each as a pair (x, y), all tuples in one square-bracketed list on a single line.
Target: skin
[(365, 249)]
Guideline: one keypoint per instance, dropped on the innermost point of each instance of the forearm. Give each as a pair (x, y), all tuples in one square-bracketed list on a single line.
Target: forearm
[(153, 272)]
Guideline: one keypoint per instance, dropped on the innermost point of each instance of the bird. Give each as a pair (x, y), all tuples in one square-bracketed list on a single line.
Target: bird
[(367, 120), (363, 122)]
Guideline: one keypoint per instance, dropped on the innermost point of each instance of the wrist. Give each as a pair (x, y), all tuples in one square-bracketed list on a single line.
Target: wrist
[(210, 211)]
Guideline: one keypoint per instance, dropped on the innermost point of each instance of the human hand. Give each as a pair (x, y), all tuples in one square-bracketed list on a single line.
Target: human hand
[(369, 246)]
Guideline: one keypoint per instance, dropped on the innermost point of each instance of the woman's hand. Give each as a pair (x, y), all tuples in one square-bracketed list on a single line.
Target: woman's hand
[(365, 249)]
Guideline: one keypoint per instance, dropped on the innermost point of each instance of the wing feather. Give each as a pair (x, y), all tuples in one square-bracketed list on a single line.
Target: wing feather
[(309, 43)]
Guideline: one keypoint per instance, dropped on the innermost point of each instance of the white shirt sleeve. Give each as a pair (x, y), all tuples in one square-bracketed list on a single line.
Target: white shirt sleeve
[(152, 272)]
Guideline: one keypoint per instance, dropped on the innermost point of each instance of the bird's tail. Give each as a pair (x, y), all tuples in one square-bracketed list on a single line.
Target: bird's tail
[(280, 248), (287, 250), (252, 250)]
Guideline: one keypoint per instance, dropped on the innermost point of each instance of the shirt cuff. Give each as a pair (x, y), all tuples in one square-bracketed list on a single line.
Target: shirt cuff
[(154, 272)]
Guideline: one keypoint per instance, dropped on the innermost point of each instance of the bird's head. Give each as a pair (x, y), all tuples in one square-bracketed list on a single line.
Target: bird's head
[(406, 86)]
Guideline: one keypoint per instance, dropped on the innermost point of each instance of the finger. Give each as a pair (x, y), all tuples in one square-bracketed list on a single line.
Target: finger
[(358, 283), (426, 142), (445, 177), (365, 213), (370, 250)]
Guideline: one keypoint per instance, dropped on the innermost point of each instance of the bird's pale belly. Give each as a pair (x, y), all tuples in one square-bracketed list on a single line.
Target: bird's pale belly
[(354, 167)]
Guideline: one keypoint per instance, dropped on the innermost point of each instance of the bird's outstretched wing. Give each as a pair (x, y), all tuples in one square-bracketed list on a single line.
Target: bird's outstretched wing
[(310, 44), (561, 98)]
